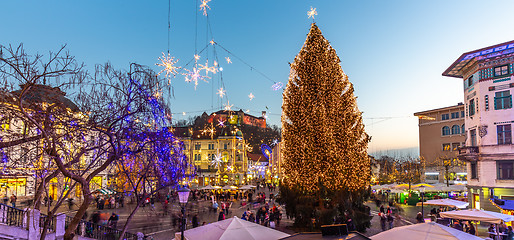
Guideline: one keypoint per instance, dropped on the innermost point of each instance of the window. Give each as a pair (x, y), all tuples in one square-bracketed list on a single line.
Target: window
[(474, 170), (471, 107), (504, 134), (211, 146), (470, 81), (225, 146), (445, 116), (446, 130), (505, 169), (446, 147), (455, 129), (501, 71), (462, 130), (502, 100), (198, 146), (455, 115), (473, 137), (198, 157), (461, 114), (455, 146)]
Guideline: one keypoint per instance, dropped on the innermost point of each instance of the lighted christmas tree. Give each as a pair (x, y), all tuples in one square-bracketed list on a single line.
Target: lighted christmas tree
[(325, 146)]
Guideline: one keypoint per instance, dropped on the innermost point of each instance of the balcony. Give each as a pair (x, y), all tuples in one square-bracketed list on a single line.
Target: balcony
[(468, 153)]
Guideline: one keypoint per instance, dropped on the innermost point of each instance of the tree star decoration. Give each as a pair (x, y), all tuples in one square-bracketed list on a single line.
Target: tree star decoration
[(194, 76), (277, 86), (251, 96), (169, 66), (228, 107), (217, 160), (228, 60), (204, 6), (312, 13), (221, 92)]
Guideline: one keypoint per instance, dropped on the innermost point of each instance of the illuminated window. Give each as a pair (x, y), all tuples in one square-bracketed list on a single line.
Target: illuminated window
[(502, 100), (504, 134), (446, 147), (455, 146), (501, 71), (198, 146), (446, 130)]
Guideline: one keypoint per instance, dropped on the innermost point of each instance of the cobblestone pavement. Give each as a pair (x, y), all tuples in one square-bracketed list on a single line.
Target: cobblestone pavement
[(153, 222)]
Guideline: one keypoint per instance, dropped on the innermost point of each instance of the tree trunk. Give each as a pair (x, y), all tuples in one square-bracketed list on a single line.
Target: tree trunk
[(124, 230), (78, 216)]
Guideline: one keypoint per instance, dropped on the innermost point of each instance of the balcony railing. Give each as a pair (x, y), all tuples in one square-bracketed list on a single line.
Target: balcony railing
[(11, 216), (468, 150), (100, 232)]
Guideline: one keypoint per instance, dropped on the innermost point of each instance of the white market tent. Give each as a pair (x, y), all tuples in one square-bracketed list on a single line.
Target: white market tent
[(227, 187), (478, 215), (208, 187), (429, 230), (247, 187), (232, 228), (445, 202)]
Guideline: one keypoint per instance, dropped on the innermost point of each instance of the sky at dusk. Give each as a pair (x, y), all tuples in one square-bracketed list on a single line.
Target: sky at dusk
[(394, 52)]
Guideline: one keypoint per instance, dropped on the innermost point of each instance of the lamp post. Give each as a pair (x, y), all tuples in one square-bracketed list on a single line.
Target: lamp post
[(422, 192), (183, 195)]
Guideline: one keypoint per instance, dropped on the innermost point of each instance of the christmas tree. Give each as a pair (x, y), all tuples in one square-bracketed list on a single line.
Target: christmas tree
[(325, 146)]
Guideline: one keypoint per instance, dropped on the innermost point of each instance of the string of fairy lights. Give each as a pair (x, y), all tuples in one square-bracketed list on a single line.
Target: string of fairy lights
[(196, 71)]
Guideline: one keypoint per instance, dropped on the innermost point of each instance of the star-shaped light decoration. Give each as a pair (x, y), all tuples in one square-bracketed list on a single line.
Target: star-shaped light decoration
[(168, 63), (230, 168), (275, 141), (194, 76), (228, 107), (251, 96), (204, 6), (216, 161), (197, 57), (212, 42), (207, 68), (228, 60), (277, 86), (221, 92), (211, 131), (184, 113), (221, 123), (312, 13)]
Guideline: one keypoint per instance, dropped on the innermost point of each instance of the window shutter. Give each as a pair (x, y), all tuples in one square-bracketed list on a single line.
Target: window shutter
[(495, 103), (510, 101)]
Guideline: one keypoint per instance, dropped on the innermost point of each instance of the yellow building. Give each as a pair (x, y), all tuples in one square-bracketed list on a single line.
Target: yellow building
[(441, 133)]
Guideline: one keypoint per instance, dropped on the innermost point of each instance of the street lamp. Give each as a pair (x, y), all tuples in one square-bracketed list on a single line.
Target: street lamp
[(183, 195), (422, 192)]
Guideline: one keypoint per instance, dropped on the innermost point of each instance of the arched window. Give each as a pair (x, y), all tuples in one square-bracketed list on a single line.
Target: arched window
[(462, 130), (446, 130), (455, 129)]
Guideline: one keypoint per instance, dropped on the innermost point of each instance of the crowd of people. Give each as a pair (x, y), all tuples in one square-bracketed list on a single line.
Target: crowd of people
[(265, 215)]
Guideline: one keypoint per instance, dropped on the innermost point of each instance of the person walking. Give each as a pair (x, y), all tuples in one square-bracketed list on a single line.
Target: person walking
[(382, 220), (221, 216), (419, 218), (194, 221), (390, 220), (113, 220), (13, 200)]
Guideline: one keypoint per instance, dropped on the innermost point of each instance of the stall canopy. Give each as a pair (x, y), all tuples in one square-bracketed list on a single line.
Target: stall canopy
[(208, 187), (227, 187), (429, 230), (232, 228), (445, 202), (247, 187), (105, 191), (478, 215)]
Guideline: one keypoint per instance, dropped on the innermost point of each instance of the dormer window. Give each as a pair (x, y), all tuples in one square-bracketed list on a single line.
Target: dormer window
[(501, 71)]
